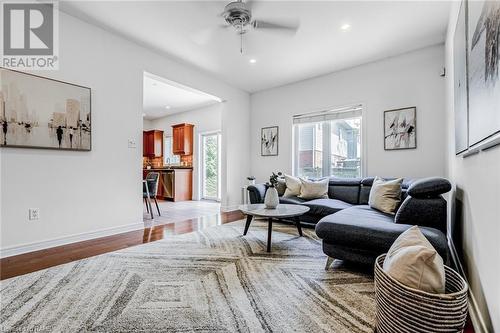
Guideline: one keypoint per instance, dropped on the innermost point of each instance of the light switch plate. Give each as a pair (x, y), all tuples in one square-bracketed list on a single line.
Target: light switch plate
[(132, 143)]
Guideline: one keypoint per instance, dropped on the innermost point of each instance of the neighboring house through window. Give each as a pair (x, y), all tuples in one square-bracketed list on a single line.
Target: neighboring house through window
[(328, 143)]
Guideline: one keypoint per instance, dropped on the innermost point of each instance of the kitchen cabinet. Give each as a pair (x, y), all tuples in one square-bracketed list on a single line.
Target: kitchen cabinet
[(182, 184), (182, 136), (175, 184), (152, 143)]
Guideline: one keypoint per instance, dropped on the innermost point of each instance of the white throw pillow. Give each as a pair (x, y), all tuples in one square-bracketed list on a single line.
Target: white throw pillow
[(293, 185), (385, 195), (314, 189), (414, 262)]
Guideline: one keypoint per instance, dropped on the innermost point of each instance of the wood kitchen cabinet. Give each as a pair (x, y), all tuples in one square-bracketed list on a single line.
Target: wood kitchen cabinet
[(177, 184), (174, 184), (182, 135), (152, 143)]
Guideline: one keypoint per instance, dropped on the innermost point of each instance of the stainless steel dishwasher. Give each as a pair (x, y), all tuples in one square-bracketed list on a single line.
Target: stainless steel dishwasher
[(168, 183)]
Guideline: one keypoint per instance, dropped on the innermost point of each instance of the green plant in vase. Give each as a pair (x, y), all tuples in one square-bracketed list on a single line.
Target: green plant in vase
[(273, 179), (271, 199)]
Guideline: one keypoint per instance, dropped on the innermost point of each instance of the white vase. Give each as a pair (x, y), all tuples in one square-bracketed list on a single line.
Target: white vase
[(271, 199)]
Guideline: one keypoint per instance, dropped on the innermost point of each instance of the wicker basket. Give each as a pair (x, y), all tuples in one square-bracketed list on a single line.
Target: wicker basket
[(404, 309)]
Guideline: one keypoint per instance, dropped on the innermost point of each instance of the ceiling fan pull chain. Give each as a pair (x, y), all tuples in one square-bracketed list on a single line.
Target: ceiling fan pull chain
[(241, 42)]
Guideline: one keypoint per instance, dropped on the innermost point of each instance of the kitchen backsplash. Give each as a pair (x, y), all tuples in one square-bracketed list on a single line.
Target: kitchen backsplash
[(187, 160), (154, 162), (157, 162)]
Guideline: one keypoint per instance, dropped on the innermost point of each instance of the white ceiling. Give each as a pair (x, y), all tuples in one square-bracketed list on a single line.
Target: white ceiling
[(162, 97), (189, 32)]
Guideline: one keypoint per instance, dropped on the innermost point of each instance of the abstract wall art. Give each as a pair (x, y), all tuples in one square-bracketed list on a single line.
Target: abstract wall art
[(269, 141), (460, 81), (483, 69), (37, 112), (400, 129)]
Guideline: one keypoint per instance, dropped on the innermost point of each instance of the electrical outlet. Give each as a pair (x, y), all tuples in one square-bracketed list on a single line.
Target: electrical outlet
[(34, 214)]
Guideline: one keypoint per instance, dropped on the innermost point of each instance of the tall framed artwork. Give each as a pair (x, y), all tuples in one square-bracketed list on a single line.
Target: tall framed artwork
[(483, 70), (269, 141), (400, 129), (460, 81), (37, 112)]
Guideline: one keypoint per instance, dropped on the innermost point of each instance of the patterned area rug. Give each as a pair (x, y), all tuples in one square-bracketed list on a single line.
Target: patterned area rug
[(214, 280)]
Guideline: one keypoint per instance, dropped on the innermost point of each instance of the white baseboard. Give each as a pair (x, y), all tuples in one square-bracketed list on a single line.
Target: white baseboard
[(228, 208), (475, 314), (30, 247)]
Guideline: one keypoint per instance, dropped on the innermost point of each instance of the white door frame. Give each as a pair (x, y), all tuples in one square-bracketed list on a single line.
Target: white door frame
[(202, 162)]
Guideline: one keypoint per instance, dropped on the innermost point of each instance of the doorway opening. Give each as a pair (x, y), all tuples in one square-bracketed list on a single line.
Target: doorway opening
[(181, 147)]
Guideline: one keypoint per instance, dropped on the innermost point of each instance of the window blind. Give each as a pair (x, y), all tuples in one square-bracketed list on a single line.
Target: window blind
[(340, 113)]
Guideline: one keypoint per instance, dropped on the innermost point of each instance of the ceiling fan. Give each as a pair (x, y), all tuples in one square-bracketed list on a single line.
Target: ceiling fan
[(238, 14)]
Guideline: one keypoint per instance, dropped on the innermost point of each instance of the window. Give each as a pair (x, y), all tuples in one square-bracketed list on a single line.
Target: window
[(168, 156), (210, 166), (328, 143)]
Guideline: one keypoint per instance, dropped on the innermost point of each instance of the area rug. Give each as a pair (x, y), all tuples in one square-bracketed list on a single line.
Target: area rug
[(213, 280)]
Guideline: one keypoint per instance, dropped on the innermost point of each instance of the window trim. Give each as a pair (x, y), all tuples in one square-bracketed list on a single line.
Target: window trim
[(363, 136), (201, 163), (173, 158)]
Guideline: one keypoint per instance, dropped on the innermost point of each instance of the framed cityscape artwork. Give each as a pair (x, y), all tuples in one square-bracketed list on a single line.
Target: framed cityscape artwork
[(36, 112), (269, 141), (400, 129)]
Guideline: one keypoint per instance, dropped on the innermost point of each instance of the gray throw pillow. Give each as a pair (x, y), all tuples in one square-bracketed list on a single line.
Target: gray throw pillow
[(293, 186), (385, 195), (314, 189)]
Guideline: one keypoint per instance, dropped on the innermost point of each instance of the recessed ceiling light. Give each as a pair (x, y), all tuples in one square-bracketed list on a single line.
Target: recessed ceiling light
[(345, 27), (167, 107), (252, 61)]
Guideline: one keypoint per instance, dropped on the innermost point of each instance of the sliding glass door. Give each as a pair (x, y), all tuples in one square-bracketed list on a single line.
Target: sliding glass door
[(210, 166)]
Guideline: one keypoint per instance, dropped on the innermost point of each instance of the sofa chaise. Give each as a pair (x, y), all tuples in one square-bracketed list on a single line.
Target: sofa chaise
[(351, 230)]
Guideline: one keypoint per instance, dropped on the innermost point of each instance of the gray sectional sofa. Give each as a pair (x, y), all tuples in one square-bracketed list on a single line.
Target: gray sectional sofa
[(353, 231)]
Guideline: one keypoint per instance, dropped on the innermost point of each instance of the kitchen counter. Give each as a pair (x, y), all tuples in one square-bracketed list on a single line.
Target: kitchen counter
[(175, 182)]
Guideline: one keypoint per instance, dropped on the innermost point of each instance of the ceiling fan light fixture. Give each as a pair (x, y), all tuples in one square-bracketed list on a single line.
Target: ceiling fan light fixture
[(238, 14)]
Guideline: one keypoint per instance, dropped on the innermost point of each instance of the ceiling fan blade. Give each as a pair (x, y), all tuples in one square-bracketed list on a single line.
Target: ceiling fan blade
[(288, 26), (250, 4)]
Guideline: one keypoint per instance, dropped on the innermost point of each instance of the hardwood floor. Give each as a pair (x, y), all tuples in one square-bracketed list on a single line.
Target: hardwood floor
[(190, 216), (34, 261)]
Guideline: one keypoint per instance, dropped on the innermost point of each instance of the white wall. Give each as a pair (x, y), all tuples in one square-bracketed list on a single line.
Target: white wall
[(477, 198), (83, 192), (411, 79), (147, 124), (207, 119)]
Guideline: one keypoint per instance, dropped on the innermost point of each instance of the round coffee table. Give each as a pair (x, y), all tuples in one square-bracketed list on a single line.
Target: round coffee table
[(280, 212)]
